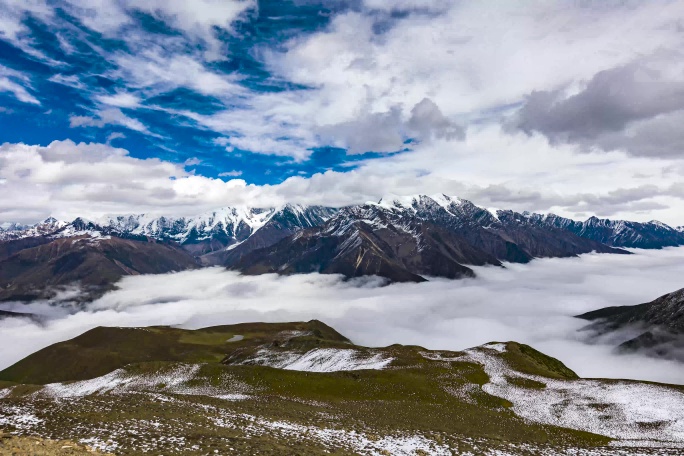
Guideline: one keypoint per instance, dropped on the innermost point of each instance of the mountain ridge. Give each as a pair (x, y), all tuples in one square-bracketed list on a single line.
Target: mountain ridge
[(239, 222), (402, 239), (655, 328), (413, 238)]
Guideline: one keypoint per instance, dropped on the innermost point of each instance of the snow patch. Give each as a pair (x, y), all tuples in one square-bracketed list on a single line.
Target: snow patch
[(630, 411), (320, 360)]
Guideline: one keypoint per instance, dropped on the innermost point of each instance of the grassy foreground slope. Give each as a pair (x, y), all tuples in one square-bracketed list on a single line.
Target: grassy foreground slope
[(302, 388)]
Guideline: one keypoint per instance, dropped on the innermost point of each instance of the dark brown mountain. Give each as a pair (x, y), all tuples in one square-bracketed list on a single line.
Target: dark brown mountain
[(616, 233), (94, 263), (402, 239), (285, 221), (400, 254), (657, 327), (410, 239)]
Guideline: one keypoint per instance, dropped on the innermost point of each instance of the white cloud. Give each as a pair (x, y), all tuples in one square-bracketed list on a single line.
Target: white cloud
[(192, 161), (12, 28), (532, 303), (197, 19), (155, 70), (110, 116), (70, 81), (470, 58), (20, 93), (114, 136), (443, 72), (67, 179), (234, 173), (119, 100), (470, 61), (8, 83)]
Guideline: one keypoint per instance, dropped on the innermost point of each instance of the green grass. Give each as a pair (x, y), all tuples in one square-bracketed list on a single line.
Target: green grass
[(103, 350), (525, 383), (526, 359), (442, 399)]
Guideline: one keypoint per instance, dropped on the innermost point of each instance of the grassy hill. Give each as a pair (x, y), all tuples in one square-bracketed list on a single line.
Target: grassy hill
[(303, 388)]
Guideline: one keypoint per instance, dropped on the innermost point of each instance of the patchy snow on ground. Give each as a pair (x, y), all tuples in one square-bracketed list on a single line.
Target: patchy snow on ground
[(638, 414), (358, 442), (121, 380), (320, 360), (100, 444), (175, 381), (233, 397), (19, 417)]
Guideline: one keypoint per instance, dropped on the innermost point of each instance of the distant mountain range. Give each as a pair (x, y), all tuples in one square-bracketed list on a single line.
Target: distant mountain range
[(402, 239)]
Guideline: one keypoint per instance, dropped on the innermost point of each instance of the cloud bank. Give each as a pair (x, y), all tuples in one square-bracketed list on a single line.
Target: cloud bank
[(67, 180), (531, 303)]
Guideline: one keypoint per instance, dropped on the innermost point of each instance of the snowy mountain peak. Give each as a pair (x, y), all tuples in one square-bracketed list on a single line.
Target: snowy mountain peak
[(394, 202), (416, 201), (16, 231)]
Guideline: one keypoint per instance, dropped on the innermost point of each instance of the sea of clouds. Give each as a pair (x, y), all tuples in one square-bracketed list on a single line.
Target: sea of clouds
[(533, 303)]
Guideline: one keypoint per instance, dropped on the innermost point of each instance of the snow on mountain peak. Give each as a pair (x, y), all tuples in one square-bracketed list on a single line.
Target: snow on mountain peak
[(231, 224), (397, 201)]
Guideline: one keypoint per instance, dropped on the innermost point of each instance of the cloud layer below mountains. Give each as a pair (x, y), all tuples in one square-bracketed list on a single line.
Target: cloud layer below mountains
[(531, 303)]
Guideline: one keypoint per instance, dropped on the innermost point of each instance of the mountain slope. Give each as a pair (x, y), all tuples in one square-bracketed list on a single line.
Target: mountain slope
[(302, 387), (617, 233), (283, 222), (46, 227), (102, 350), (94, 263), (399, 238), (223, 228), (658, 325), (507, 235), (413, 238), (369, 240)]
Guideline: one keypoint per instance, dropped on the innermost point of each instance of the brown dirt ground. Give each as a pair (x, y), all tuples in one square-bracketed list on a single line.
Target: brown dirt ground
[(34, 446)]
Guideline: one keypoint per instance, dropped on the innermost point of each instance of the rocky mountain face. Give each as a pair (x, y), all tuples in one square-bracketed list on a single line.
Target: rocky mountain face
[(281, 223), (39, 261), (413, 238), (16, 231), (94, 263), (401, 239), (617, 233), (657, 327), (226, 227)]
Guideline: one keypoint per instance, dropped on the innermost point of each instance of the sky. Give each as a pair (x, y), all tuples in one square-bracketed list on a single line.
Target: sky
[(175, 107), (532, 303)]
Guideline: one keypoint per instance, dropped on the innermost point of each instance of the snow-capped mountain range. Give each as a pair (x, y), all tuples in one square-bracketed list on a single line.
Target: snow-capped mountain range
[(224, 228), (409, 239), (230, 226), (218, 229), (399, 238)]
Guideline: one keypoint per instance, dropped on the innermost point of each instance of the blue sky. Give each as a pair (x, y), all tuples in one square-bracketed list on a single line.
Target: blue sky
[(177, 107), (75, 67)]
